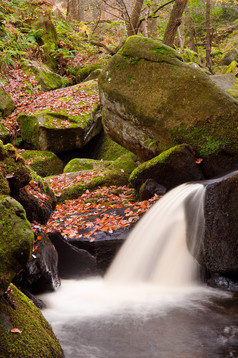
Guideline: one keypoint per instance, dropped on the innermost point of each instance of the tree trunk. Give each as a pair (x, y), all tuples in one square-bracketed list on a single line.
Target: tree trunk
[(133, 26), (75, 10), (208, 35), (191, 30), (174, 22)]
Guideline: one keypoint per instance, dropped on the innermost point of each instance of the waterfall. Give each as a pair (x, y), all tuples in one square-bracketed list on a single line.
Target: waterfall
[(156, 250)]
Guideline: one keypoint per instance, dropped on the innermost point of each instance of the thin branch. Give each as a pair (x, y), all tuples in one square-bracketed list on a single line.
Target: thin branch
[(153, 13)]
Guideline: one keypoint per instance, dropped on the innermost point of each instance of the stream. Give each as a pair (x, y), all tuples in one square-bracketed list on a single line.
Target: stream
[(96, 320)]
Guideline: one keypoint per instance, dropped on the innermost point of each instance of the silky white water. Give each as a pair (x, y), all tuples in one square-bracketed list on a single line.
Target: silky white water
[(149, 304), (156, 250)]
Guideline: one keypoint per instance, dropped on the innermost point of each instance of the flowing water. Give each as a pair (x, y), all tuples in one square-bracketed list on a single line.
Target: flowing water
[(149, 304)]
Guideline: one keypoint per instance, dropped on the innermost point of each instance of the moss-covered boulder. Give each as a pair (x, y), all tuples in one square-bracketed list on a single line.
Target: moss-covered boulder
[(79, 164), (42, 162), (24, 332), (58, 132), (16, 240), (46, 36), (7, 105), (12, 168), (84, 72), (152, 101), (47, 79), (171, 168)]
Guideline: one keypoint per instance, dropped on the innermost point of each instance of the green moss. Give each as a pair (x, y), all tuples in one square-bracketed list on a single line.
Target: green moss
[(44, 163), (7, 105), (16, 240), (29, 129), (125, 164), (107, 149), (36, 338), (84, 72), (80, 164)]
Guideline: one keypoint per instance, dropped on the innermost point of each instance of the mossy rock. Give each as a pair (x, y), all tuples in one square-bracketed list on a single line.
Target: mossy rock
[(103, 147), (16, 240), (42, 162), (80, 164), (170, 169), (152, 101), (7, 105), (126, 164), (47, 79), (56, 131), (35, 337), (84, 72), (46, 36), (106, 177), (4, 134), (13, 168)]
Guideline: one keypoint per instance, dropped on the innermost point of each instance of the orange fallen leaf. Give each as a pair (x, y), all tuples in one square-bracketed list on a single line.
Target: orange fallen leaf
[(16, 330)]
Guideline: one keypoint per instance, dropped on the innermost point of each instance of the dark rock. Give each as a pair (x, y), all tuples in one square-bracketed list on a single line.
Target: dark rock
[(171, 168), (218, 165), (150, 188), (41, 272), (38, 201), (218, 251), (223, 283), (73, 262)]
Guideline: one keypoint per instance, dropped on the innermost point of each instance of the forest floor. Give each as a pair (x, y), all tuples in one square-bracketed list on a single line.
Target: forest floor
[(27, 97)]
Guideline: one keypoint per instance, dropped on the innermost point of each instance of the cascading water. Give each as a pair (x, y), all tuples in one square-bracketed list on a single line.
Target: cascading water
[(148, 304), (156, 251)]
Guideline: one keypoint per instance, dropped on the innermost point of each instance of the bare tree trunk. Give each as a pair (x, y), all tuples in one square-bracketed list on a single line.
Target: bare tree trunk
[(75, 10), (133, 25), (208, 36), (174, 21)]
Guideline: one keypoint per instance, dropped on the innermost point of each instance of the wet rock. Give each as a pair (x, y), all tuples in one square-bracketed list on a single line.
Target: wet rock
[(41, 272), (218, 249), (73, 261), (150, 188)]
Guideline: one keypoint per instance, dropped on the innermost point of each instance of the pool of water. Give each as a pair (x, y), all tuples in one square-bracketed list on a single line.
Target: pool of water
[(93, 319)]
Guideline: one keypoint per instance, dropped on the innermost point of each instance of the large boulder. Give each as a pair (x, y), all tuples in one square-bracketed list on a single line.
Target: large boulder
[(47, 79), (171, 168), (24, 332), (58, 132), (16, 240), (152, 101)]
